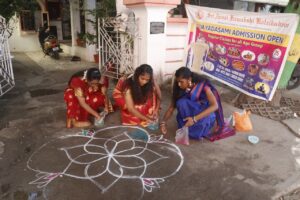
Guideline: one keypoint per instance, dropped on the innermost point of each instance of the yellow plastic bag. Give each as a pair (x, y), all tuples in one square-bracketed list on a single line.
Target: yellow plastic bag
[(242, 122)]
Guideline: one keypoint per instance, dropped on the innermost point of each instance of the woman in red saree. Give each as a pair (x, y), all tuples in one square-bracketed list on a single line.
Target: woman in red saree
[(84, 97), (138, 97)]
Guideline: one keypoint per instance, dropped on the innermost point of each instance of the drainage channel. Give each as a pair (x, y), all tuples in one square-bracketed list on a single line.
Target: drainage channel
[(43, 92)]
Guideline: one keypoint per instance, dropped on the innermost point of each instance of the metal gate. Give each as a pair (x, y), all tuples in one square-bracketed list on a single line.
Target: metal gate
[(118, 39), (7, 81)]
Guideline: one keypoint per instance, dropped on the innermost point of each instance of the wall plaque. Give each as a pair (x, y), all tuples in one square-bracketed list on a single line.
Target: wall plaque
[(157, 27)]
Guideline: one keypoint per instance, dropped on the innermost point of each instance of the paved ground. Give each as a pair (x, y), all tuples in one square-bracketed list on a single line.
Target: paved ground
[(41, 159)]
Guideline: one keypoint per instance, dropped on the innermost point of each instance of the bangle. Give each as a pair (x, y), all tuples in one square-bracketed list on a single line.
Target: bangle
[(162, 123), (194, 120)]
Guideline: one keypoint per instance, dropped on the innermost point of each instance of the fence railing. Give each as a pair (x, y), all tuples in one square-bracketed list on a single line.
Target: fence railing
[(7, 81), (116, 46)]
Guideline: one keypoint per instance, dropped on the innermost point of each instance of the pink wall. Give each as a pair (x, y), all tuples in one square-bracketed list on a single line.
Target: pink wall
[(135, 2)]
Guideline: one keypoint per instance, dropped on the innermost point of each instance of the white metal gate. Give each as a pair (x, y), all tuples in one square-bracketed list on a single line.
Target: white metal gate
[(118, 37), (7, 81)]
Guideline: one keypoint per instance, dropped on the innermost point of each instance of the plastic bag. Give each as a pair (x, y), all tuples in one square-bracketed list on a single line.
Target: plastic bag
[(225, 132), (182, 136), (153, 126), (229, 121), (100, 122), (242, 122)]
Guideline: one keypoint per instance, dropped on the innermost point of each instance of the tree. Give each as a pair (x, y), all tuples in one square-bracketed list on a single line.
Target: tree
[(104, 8), (10, 8)]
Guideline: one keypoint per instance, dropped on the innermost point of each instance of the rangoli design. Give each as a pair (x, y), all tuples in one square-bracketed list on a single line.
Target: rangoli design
[(106, 157)]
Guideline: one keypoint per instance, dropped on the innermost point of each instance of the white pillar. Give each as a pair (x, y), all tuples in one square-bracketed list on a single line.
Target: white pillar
[(152, 16), (120, 6), (91, 49), (75, 20), (42, 5)]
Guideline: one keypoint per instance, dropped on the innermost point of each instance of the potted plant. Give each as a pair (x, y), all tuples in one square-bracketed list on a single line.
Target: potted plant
[(80, 39), (177, 13), (105, 8)]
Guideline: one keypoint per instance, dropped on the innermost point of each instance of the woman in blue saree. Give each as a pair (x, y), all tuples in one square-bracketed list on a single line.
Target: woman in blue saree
[(198, 105)]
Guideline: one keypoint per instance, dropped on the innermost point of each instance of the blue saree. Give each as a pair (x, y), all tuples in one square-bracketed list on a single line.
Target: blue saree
[(194, 102)]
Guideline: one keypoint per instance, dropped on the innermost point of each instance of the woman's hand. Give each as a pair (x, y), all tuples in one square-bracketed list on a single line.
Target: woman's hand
[(95, 87), (167, 115), (150, 120), (97, 116), (163, 127), (88, 108), (155, 115), (189, 121), (130, 107)]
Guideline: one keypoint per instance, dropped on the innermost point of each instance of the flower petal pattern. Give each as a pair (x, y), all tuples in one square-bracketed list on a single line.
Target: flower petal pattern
[(110, 155)]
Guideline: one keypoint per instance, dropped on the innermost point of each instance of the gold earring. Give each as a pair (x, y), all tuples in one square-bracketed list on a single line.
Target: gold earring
[(190, 83)]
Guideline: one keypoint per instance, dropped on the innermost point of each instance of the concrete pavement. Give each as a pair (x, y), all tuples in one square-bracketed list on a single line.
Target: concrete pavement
[(34, 141)]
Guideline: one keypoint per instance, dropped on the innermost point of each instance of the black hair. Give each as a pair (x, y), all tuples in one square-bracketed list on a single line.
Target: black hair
[(185, 73), (140, 94), (91, 74)]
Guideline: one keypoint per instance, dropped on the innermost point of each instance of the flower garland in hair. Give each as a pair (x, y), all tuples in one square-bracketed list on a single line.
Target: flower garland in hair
[(85, 74), (131, 76)]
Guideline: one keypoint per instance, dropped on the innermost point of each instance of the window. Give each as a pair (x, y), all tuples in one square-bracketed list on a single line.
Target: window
[(27, 21), (54, 10)]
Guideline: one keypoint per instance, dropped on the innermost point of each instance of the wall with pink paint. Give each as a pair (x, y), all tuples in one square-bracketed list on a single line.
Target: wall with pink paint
[(176, 41)]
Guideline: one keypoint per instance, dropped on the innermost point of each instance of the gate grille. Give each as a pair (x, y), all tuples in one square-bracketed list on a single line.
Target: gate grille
[(7, 81), (116, 46)]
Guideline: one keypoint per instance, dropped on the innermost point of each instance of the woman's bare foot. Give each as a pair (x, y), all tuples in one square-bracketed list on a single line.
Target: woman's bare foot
[(69, 123), (83, 124)]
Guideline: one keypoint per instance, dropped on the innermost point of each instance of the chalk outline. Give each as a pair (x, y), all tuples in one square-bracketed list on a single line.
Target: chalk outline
[(148, 183), (296, 152)]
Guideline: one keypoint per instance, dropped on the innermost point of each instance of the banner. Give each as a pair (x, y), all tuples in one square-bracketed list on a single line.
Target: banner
[(244, 50)]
